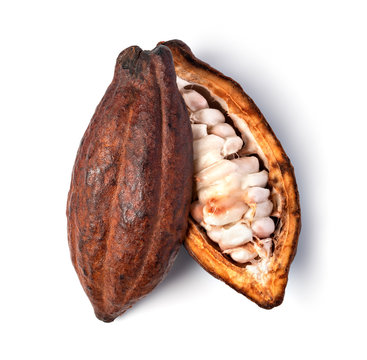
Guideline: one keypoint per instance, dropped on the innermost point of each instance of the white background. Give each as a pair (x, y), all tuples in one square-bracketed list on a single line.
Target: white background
[(303, 63)]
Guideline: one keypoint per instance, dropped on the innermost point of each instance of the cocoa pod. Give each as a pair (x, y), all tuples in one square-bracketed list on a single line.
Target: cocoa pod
[(130, 191), (262, 275)]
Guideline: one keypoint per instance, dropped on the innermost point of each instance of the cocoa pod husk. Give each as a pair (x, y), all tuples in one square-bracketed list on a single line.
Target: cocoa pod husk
[(266, 289), (130, 191)]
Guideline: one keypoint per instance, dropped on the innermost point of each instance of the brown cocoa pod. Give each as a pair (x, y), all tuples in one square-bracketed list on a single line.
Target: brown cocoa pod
[(263, 284), (130, 191)]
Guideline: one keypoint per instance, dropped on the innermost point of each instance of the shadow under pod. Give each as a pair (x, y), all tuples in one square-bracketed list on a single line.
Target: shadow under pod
[(183, 266)]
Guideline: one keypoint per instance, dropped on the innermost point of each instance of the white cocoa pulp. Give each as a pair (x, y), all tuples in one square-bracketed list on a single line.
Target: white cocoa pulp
[(232, 200)]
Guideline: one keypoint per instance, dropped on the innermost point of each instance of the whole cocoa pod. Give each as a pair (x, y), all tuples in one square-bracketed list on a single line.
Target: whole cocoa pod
[(130, 191), (245, 215)]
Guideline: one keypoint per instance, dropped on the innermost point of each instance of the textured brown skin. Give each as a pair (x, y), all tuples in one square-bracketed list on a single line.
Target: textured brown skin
[(270, 291), (131, 185)]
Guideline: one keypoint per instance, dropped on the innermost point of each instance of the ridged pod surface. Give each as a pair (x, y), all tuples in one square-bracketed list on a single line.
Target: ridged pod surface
[(131, 185), (267, 288)]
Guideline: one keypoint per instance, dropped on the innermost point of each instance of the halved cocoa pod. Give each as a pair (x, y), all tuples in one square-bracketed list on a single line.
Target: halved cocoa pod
[(130, 191), (245, 216)]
